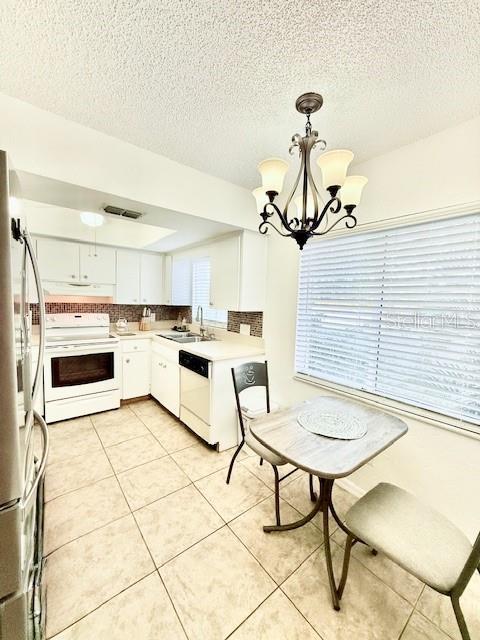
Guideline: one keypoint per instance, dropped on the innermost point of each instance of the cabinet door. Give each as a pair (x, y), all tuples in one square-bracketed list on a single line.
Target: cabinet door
[(58, 261), (97, 264), (128, 278), (166, 383), (253, 271), (151, 278), (224, 274), (171, 388), (156, 376), (135, 375), (181, 281)]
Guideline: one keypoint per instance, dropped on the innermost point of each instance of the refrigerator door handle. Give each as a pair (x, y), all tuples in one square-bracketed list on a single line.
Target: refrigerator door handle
[(41, 307), (26, 341), (43, 460)]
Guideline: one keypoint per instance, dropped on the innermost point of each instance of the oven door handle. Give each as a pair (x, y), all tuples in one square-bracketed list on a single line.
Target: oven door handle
[(101, 347), (43, 459)]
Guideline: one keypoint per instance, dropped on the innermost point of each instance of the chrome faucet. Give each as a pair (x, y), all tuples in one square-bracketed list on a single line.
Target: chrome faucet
[(199, 318)]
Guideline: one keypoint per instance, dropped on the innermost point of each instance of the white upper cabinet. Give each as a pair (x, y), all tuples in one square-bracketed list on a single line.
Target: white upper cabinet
[(238, 272), (97, 264), (253, 272), (181, 287), (238, 267), (224, 273), (151, 278), (58, 261), (128, 277), (61, 261)]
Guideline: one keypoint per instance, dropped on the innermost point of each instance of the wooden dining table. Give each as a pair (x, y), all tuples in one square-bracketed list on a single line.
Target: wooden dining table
[(326, 457)]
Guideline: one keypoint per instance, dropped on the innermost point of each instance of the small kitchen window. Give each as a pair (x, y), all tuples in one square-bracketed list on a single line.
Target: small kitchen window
[(396, 313), (201, 294)]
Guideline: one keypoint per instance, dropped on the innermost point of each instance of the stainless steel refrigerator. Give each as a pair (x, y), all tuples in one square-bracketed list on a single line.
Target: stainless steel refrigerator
[(23, 432)]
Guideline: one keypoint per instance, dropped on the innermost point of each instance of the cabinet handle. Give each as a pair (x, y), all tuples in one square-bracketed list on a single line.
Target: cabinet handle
[(135, 346), (134, 299), (127, 360), (144, 299), (73, 276), (86, 277)]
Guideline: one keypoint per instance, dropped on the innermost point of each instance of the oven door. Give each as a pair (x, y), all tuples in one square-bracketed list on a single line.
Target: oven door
[(73, 371)]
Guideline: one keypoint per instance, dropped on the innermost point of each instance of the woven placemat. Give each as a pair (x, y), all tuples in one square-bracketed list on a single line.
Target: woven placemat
[(332, 425)]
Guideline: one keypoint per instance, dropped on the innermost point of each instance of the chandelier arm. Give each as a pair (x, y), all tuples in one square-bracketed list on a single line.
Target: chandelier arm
[(335, 209), (263, 228), (268, 214), (287, 224), (327, 207), (348, 216)]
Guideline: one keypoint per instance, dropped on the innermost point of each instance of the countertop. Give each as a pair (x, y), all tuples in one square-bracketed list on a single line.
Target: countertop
[(210, 349)]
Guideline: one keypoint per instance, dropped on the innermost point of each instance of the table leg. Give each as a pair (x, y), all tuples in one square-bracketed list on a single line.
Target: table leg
[(326, 492), (323, 503), (298, 523)]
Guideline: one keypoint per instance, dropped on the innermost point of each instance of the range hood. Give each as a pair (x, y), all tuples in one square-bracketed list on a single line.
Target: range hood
[(77, 290)]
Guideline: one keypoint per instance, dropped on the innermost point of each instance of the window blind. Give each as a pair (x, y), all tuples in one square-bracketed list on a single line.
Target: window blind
[(396, 313), (201, 293)]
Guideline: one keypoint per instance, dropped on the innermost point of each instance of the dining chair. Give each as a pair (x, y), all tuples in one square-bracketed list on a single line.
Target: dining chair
[(248, 376), (416, 537)]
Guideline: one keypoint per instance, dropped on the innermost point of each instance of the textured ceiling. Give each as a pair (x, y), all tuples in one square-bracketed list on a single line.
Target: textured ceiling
[(212, 83)]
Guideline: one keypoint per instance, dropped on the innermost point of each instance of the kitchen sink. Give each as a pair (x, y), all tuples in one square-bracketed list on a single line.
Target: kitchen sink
[(184, 338)]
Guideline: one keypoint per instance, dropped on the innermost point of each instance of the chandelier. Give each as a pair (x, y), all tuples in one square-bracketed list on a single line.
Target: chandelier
[(313, 216)]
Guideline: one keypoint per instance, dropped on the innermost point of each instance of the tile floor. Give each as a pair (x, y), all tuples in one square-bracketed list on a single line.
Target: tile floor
[(145, 540)]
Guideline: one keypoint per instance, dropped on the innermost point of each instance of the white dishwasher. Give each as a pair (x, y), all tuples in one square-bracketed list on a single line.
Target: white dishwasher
[(195, 376)]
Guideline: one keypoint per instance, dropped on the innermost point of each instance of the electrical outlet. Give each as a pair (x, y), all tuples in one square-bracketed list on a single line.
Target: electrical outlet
[(245, 329)]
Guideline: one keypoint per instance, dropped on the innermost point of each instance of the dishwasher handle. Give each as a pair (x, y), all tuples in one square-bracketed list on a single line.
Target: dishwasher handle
[(194, 363)]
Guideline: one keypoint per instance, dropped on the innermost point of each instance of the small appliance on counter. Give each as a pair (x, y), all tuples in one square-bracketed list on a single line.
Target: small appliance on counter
[(121, 325), (182, 325)]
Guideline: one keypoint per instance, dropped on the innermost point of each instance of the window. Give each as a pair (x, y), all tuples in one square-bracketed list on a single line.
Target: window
[(396, 313), (201, 293)]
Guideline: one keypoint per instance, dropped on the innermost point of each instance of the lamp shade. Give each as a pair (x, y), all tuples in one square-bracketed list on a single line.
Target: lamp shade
[(351, 191), (260, 197), (92, 219), (334, 165), (273, 173)]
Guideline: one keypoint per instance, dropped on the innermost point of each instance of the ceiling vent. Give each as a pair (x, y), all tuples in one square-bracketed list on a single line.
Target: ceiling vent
[(124, 213)]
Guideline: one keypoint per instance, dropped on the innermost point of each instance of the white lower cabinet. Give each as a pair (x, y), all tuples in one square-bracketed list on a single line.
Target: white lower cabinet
[(165, 385), (135, 368)]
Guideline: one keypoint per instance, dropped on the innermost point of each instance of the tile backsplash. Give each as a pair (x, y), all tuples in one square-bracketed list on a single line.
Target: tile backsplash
[(133, 312), (253, 318)]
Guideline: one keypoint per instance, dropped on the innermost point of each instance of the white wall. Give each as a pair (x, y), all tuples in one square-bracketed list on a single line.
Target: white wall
[(42, 143), (439, 466)]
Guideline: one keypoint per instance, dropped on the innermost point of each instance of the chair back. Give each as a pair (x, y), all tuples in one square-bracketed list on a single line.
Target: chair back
[(472, 565), (246, 376)]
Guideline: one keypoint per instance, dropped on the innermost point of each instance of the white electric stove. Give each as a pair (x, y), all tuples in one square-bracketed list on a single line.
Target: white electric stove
[(82, 365)]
